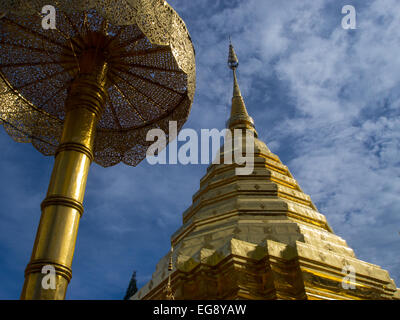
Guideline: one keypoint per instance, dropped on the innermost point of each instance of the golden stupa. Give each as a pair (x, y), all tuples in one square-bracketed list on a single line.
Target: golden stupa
[(260, 237)]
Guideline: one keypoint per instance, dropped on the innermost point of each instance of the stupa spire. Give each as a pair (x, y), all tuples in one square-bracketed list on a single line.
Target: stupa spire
[(239, 118)]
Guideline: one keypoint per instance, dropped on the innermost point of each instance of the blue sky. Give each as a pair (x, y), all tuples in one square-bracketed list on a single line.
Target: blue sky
[(325, 99)]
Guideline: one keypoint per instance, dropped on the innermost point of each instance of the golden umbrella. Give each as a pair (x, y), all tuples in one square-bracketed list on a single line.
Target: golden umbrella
[(88, 90)]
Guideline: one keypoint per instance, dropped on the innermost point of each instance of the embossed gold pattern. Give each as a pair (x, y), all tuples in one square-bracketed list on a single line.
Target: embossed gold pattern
[(151, 78)]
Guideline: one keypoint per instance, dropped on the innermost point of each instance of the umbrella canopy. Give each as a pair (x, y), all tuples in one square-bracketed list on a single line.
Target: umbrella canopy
[(150, 78)]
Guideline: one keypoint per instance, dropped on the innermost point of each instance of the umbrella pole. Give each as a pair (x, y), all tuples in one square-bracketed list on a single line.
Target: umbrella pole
[(62, 208)]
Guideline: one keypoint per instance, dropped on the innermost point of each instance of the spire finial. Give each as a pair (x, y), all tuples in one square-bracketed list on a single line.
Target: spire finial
[(233, 61), (239, 116)]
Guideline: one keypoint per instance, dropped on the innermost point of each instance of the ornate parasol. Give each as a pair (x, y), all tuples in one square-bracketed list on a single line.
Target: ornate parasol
[(88, 90)]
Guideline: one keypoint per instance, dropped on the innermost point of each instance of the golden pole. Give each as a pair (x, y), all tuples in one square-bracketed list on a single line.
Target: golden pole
[(62, 207)]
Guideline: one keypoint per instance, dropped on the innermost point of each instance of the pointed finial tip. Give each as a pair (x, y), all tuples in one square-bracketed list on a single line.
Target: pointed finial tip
[(233, 61)]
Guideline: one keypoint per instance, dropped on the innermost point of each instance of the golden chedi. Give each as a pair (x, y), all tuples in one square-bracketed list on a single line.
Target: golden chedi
[(259, 236)]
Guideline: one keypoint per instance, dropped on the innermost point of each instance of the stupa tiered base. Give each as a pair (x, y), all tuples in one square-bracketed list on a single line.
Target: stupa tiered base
[(261, 237)]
